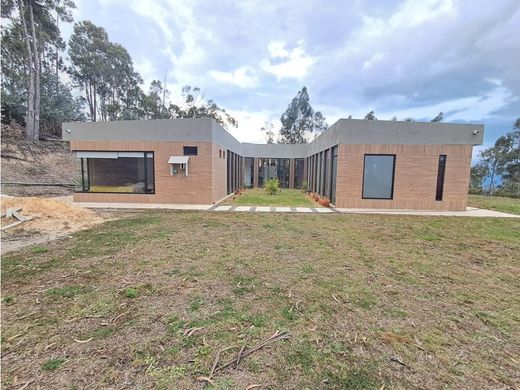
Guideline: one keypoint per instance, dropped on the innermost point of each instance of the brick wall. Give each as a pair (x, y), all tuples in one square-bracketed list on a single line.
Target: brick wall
[(201, 186), (415, 176)]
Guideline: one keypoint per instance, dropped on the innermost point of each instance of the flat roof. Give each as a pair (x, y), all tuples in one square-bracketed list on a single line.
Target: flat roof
[(344, 131)]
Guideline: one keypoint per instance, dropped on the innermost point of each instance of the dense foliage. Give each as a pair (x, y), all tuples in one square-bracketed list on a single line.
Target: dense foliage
[(272, 186), (41, 87), (300, 120), (498, 171)]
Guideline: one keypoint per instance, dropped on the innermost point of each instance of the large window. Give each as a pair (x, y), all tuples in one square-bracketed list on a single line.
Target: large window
[(234, 172), (118, 172), (269, 168), (378, 176), (249, 172), (299, 164)]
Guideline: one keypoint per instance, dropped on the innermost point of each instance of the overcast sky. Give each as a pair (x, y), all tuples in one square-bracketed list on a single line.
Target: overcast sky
[(403, 58)]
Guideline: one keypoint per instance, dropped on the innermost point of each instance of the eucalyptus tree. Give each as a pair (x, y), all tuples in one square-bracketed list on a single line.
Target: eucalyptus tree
[(193, 104), (31, 42), (103, 71), (300, 119)]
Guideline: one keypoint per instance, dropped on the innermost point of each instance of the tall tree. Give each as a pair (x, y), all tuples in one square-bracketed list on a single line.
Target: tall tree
[(194, 105), (479, 172), (153, 102), (502, 160), (300, 120), (103, 71), (33, 29), (370, 116), (268, 132), (438, 118)]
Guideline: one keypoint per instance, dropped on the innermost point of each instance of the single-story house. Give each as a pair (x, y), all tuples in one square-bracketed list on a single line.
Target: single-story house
[(355, 163)]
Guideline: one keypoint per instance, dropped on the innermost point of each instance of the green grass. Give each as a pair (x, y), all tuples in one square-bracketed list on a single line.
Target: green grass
[(39, 249), (130, 292), (67, 291), (53, 364), (506, 205), (284, 198), (445, 289)]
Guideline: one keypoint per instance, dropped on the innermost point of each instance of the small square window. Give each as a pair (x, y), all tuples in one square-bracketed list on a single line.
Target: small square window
[(191, 150)]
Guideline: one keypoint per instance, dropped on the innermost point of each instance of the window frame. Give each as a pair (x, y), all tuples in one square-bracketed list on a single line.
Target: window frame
[(441, 177), (393, 175), (145, 153), (190, 154)]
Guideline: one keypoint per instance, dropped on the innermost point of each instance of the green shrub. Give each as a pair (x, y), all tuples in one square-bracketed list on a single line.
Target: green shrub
[(272, 186), (53, 364), (305, 186), (130, 292), (8, 299)]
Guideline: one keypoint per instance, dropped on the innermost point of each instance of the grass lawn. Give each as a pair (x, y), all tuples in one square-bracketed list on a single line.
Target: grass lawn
[(148, 301), (258, 197), (506, 205)]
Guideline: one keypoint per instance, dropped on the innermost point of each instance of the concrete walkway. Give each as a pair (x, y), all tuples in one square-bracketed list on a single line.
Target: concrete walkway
[(470, 211)]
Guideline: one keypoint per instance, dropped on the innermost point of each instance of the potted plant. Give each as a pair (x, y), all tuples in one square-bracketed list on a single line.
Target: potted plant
[(324, 201)]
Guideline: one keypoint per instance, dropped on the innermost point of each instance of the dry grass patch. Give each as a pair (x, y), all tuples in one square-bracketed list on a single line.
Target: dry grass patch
[(148, 301)]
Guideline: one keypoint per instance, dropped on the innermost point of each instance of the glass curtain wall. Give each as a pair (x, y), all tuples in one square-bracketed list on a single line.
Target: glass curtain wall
[(269, 168), (234, 172)]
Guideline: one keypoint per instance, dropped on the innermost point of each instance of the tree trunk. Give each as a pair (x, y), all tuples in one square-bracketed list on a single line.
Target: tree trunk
[(37, 74), (29, 120)]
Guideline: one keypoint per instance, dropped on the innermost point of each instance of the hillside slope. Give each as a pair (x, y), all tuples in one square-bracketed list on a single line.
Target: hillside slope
[(47, 161)]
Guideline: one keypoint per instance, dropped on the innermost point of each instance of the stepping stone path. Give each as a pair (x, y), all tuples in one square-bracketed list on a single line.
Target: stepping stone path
[(264, 209)]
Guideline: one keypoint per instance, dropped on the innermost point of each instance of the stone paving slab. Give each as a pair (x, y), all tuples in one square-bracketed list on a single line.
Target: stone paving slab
[(223, 208), (303, 210), (323, 210), (243, 208)]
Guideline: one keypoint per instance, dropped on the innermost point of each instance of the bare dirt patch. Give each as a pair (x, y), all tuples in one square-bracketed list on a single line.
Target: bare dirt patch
[(52, 218)]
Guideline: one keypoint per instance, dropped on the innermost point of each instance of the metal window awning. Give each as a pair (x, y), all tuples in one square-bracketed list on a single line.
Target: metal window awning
[(179, 160), (112, 155), (96, 154)]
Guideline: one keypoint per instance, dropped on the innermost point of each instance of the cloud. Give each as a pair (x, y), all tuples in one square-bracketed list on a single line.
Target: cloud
[(398, 57), (293, 64), (243, 77)]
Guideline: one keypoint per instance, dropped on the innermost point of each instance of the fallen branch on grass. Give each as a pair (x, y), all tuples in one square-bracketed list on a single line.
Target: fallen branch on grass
[(83, 341), (277, 336)]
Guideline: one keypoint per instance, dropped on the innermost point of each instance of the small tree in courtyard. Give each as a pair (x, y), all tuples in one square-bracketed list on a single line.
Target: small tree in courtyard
[(272, 186)]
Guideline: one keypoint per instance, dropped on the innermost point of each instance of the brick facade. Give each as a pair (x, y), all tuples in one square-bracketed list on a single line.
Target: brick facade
[(415, 176), (414, 186)]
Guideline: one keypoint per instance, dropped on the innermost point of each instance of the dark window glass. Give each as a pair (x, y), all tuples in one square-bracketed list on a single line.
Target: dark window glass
[(378, 176), (440, 177), (334, 172), (298, 172), (133, 175), (191, 150), (220, 153), (249, 178)]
